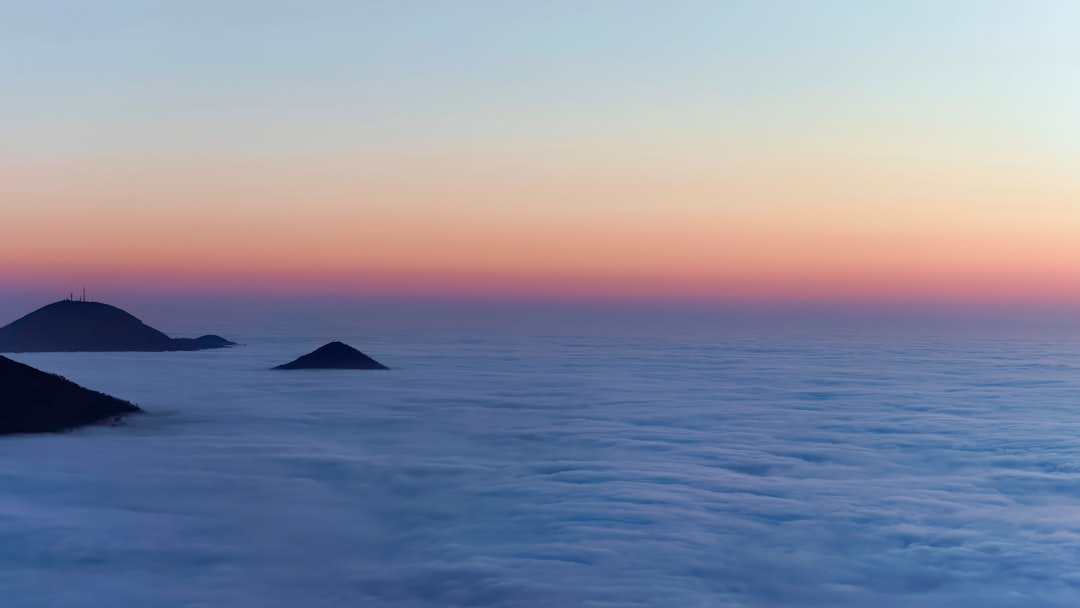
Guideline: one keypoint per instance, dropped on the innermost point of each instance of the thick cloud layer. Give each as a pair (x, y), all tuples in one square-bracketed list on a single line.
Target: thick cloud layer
[(542, 471)]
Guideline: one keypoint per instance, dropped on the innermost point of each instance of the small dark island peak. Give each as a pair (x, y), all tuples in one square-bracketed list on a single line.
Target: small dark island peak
[(214, 341), (33, 401), (335, 355), (81, 326)]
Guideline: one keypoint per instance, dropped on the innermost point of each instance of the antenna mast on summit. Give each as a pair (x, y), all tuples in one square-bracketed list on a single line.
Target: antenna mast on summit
[(83, 294)]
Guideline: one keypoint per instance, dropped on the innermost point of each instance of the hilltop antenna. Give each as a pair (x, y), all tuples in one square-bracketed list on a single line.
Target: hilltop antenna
[(83, 294)]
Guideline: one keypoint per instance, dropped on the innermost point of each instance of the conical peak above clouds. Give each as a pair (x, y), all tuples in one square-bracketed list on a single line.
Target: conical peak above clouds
[(335, 355), (33, 401), (78, 326)]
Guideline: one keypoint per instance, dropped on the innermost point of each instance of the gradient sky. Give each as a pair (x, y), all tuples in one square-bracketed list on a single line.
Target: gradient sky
[(840, 149)]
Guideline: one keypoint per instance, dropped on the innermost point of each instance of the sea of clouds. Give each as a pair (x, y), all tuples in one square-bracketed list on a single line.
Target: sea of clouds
[(509, 470)]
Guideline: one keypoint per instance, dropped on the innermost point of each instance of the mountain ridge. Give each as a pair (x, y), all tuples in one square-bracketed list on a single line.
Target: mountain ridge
[(80, 326), (35, 401)]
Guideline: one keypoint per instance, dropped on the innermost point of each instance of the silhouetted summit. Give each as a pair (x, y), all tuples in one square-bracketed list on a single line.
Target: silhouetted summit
[(33, 401), (72, 325), (212, 341), (335, 355)]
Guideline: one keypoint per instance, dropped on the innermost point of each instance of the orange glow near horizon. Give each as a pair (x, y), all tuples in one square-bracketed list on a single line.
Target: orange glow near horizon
[(742, 228)]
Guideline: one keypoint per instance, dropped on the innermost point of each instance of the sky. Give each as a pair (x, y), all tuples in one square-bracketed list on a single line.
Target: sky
[(681, 149)]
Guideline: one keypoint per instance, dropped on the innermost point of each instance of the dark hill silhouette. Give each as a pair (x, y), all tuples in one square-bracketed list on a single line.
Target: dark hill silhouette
[(335, 355), (72, 325), (201, 343), (33, 401), (212, 341)]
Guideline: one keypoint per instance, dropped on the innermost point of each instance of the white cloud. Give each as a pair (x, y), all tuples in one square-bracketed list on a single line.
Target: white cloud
[(749, 473)]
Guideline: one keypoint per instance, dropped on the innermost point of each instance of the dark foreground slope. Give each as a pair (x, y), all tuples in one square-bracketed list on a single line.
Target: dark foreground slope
[(32, 401), (71, 326), (335, 355)]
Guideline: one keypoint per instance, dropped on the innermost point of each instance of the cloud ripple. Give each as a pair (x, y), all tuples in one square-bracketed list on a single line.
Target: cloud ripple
[(510, 471)]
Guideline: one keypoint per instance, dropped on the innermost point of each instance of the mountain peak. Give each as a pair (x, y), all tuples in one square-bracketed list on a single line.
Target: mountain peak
[(334, 355), (76, 325)]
